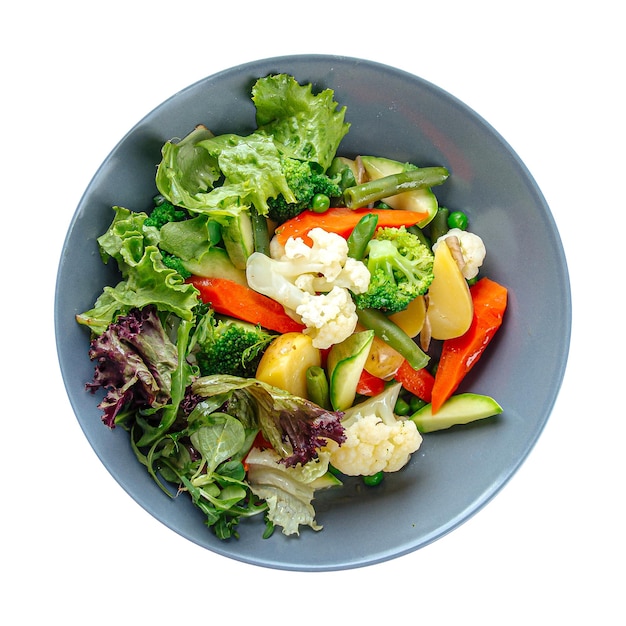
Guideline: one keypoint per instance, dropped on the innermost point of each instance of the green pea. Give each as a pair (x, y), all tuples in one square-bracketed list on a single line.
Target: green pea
[(416, 403), (374, 479), (402, 407), (320, 203), (457, 219)]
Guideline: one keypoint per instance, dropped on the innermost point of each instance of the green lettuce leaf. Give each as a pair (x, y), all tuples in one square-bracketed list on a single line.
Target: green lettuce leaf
[(288, 491), (307, 126), (145, 279), (187, 172)]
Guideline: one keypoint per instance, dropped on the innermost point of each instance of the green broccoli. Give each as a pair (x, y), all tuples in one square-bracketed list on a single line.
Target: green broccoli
[(305, 182), (401, 269), (175, 263), (231, 346), (164, 212)]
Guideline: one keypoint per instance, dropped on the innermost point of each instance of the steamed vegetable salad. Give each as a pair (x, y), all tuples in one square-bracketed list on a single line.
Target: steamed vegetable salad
[(278, 313)]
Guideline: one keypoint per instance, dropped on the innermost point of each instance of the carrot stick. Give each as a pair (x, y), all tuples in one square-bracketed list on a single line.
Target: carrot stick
[(230, 298), (418, 382), (460, 354), (342, 221)]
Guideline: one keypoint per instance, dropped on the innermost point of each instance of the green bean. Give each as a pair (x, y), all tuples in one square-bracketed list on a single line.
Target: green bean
[(373, 190), (439, 224), (260, 232), (361, 235), (393, 335), (317, 386)]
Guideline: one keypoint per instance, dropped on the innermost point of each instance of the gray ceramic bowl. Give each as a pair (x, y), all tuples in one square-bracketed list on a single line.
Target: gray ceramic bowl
[(456, 472)]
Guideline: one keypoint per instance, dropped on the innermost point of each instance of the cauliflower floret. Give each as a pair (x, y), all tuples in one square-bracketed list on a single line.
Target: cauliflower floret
[(329, 317), (376, 439), (372, 446), (472, 248), (313, 283)]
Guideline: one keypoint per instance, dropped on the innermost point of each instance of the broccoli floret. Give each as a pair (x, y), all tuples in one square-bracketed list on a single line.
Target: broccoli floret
[(175, 263), (231, 347), (164, 212), (305, 182), (401, 268)]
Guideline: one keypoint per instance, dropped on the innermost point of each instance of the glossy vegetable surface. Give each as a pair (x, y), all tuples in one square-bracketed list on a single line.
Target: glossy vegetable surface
[(460, 355)]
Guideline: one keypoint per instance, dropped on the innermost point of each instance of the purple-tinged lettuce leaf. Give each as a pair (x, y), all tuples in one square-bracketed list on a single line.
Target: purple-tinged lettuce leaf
[(296, 427), (135, 361)]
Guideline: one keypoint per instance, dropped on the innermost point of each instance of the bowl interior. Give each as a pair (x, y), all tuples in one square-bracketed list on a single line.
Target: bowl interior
[(456, 472)]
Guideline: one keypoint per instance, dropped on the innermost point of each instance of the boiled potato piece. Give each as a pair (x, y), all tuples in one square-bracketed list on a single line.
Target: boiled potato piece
[(450, 307), (411, 320), (286, 360), (382, 361)]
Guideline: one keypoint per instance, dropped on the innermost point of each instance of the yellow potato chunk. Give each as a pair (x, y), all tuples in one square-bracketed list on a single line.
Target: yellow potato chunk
[(412, 318), (286, 360), (450, 307)]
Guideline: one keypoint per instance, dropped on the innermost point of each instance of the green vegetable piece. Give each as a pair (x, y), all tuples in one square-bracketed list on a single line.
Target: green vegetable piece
[(457, 219), (421, 200), (402, 407), (401, 268), (218, 440), (238, 236), (439, 225), (317, 386), (326, 481), (382, 188), (307, 126), (390, 332), (344, 364), (374, 479), (320, 203), (361, 235), (460, 409), (215, 263)]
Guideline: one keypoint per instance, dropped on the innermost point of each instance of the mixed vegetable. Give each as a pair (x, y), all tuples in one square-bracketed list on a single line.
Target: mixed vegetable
[(286, 316)]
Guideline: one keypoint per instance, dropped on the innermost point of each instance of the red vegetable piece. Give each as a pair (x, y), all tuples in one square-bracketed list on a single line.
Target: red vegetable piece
[(459, 355), (369, 385), (230, 298), (418, 382)]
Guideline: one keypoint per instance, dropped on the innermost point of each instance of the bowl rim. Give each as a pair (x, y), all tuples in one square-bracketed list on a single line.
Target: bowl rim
[(289, 60)]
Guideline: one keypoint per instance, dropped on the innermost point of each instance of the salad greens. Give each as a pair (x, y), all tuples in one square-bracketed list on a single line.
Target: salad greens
[(147, 331), (293, 122), (181, 344)]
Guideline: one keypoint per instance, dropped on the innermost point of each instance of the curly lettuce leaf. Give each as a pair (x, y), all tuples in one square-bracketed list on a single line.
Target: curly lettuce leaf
[(288, 491), (135, 364), (295, 427), (187, 172), (145, 279), (307, 126)]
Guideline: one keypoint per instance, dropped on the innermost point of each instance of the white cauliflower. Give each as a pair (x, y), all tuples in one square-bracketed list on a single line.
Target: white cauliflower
[(472, 248), (376, 439), (313, 284)]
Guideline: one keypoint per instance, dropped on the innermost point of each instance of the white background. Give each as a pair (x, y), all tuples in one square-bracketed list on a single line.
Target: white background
[(75, 77)]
